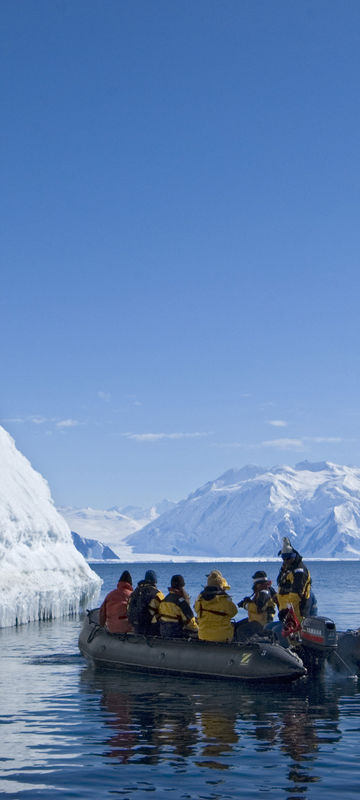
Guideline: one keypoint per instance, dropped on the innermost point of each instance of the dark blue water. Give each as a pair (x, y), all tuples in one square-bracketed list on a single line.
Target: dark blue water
[(70, 732)]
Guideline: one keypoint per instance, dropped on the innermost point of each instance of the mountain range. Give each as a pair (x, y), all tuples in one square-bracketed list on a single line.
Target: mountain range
[(94, 529), (245, 513)]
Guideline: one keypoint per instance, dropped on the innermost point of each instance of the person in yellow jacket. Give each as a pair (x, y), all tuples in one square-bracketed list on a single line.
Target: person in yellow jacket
[(215, 610), (175, 613), (261, 605)]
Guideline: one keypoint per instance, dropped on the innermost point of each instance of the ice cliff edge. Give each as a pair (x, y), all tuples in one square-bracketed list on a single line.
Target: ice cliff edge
[(42, 575)]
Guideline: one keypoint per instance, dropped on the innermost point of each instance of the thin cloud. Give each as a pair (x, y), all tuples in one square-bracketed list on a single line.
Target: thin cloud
[(133, 400), (281, 444), (35, 419), (284, 444), (38, 420), (68, 423), (155, 437), (324, 439), (277, 423), (105, 396)]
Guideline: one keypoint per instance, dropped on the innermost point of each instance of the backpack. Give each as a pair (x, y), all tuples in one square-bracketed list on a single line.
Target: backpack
[(137, 610)]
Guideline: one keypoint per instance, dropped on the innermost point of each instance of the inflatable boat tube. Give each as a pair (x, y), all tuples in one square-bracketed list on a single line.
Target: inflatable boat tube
[(258, 659)]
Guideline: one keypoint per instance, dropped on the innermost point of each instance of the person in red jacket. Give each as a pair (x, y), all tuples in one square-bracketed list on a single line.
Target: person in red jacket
[(113, 612)]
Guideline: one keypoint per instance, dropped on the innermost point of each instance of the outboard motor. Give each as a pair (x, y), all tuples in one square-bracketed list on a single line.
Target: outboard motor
[(318, 639)]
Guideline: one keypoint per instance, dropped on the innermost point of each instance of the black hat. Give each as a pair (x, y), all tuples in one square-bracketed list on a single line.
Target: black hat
[(150, 576), (260, 575), (126, 577), (177, 582)]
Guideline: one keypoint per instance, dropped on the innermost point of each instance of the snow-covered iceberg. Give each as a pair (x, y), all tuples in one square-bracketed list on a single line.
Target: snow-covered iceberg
[(42, 575)]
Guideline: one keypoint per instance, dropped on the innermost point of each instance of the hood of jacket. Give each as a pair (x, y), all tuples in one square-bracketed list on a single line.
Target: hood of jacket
[(212, 591)]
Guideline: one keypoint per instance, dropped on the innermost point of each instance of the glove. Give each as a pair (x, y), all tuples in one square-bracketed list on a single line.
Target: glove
[(243, 602)]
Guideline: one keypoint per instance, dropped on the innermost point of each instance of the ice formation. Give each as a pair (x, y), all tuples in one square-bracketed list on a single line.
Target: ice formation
[(42, 575)]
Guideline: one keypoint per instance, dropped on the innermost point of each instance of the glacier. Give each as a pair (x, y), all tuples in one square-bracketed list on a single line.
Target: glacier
[(112, 526), (245, 513), (42, 574), (92, 549)]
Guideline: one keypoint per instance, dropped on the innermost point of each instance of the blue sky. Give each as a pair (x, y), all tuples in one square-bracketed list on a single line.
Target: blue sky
[(179, 240)]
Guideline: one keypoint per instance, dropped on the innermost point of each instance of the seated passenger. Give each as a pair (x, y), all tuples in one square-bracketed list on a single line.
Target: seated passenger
[(176, 615), (143, 607), (261, 605), (215, 609), (113, 611)]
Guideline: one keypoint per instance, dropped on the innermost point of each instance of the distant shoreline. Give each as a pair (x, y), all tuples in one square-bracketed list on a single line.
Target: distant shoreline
[(158, 559)]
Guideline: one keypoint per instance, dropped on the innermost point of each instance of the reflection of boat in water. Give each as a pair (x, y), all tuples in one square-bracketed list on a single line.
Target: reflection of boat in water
[(213, 723), (259, 659)]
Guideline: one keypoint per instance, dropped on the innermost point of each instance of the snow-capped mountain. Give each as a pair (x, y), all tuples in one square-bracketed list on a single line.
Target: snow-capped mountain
[(112, 526), (93, 550), (246, 512), (42, 575)]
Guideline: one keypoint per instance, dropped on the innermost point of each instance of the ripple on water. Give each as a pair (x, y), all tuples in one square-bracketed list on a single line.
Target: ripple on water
[(81, 734)]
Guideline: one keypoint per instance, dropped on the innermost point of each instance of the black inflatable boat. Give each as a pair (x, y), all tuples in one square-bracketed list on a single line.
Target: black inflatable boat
[(259, 659)]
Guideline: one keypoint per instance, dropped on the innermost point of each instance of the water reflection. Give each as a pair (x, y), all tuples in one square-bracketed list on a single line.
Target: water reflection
[(216, 726)]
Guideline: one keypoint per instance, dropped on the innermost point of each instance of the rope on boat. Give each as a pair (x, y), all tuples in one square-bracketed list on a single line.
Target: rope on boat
[(93, 633), (351, 672)]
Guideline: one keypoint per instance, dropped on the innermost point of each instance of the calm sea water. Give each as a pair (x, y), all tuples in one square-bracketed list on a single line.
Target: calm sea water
[(70, 732)]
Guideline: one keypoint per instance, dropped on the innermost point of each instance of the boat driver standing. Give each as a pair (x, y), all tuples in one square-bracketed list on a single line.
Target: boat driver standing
[(294, 582)]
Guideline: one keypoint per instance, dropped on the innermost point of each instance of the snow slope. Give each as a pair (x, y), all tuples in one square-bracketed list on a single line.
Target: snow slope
[(245, 513), (112, 526), (42, 575), (93, 550)]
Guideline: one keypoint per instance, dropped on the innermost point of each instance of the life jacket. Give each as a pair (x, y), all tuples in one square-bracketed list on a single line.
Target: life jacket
[(294, 586), (261, 606), (176, 616), (215, 610)]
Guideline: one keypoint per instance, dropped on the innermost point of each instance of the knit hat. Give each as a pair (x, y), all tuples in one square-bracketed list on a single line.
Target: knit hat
[(259, 576), (215, 578), (126, 577), (150, 576), (287, 550), (177, 582)]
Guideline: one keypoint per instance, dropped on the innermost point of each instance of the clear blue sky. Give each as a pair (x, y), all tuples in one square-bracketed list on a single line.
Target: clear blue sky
[(179, 239)]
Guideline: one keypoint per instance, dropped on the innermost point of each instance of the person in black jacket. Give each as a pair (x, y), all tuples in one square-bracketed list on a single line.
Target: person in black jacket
[(143, 606), (176, 615), (294, 582)]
